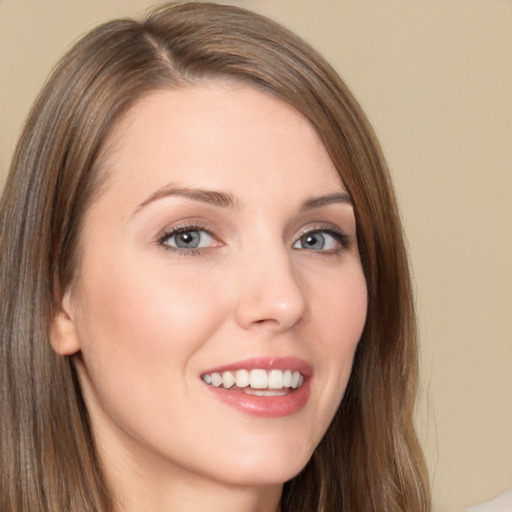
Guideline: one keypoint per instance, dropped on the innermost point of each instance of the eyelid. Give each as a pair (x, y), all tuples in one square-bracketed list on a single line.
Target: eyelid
[(183, 228), (340, 235)]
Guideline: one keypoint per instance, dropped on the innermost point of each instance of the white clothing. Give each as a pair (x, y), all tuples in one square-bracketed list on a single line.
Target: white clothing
[(502, 503)]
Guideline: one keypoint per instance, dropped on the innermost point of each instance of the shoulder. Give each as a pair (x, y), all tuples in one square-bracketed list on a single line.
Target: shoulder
[(502, 503)]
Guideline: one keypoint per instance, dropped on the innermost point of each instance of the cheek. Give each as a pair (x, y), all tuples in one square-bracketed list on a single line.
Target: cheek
[(340, 303), (140, 330), (135, 320), (340, 315), (135, 303)]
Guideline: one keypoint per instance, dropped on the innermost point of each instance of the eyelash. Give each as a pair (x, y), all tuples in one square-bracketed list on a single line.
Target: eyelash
[(185, 228), (342, 238)]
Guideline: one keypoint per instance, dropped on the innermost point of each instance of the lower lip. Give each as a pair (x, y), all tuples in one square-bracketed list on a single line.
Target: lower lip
[(265, 406)]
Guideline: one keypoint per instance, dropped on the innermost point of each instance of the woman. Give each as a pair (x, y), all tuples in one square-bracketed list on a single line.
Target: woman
[(189, 315)]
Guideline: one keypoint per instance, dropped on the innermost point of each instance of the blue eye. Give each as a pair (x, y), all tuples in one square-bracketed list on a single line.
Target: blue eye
[(321, 240), (187, 239)]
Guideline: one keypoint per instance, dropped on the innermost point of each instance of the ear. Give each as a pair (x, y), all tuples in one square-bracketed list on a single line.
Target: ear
[(63, 334)]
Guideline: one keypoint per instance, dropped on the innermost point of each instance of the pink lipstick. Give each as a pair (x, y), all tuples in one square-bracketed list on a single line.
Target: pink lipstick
[(265, 387)]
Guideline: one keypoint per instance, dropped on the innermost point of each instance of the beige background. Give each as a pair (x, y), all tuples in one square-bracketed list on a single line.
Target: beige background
[(435, 78)]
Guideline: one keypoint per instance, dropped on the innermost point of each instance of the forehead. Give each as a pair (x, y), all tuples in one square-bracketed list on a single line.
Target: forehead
[(217, 135)]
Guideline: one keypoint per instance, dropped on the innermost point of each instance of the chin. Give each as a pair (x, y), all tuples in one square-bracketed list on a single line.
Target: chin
[(265, 466), (256, 477)]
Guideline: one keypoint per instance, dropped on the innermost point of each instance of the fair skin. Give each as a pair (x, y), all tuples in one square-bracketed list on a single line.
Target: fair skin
[(223, 239)]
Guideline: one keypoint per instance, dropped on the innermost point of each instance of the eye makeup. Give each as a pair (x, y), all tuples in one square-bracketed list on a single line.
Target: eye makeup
[(188, 239)]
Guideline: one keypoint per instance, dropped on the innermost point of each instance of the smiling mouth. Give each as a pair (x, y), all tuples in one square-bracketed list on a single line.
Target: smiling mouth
[(256, 381)]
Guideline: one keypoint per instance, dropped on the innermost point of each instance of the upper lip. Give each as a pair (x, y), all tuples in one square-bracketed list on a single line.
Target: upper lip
[(266, 363)]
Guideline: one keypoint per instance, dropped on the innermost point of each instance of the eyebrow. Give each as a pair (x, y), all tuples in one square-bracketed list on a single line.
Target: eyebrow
[(318, 202), (227, 200), (215, 198)]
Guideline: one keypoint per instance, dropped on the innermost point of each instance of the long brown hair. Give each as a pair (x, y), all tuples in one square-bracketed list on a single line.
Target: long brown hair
[(369, 459)]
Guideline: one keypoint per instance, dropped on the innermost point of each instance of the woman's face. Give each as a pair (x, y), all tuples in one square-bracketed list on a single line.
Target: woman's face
[(220, 296)]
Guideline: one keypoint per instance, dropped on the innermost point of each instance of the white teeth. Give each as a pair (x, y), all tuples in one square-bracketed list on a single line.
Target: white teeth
[(275, 379), (216, 379), (228, 379), (268, 383), (258, 379), (265, 392), (242, 378)]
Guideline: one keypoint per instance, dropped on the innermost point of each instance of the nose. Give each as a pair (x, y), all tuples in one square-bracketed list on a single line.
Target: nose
[(271, 293)]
